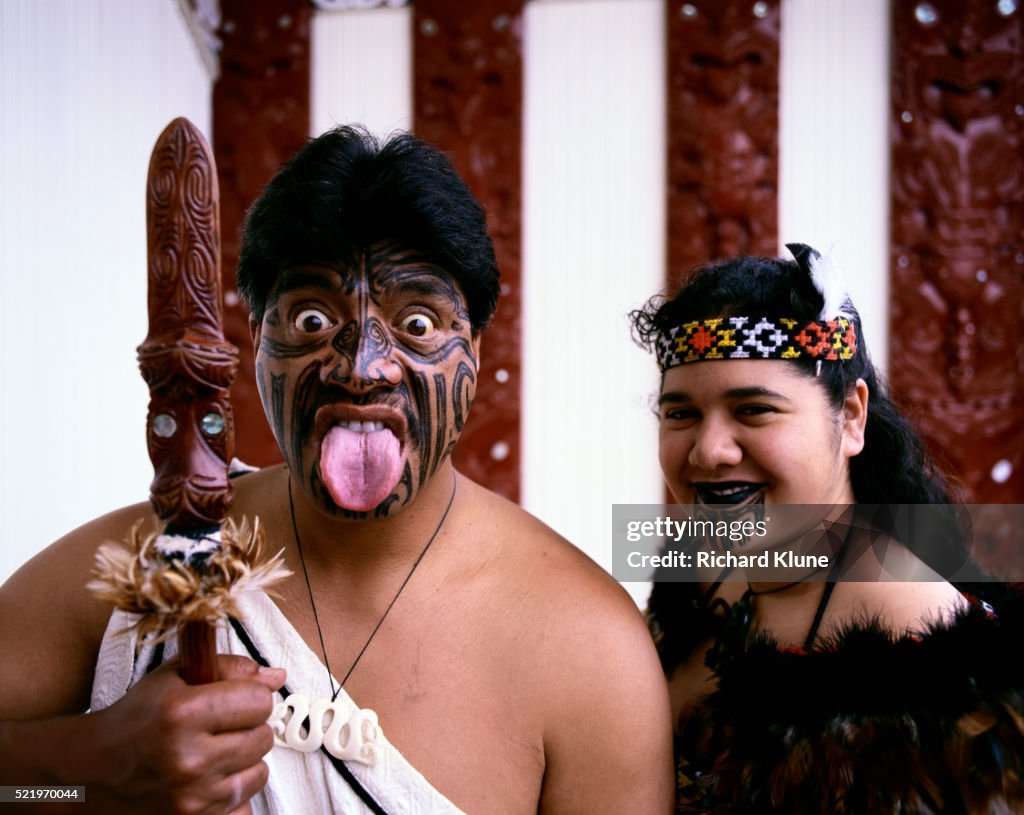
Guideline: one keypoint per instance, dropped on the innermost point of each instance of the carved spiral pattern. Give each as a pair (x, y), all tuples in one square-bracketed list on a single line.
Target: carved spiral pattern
[(184, 239)]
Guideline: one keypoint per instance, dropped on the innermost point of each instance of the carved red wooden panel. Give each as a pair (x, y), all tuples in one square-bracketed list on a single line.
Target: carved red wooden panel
[(723, 94), (957, 347), (468, 101), (260, 119)]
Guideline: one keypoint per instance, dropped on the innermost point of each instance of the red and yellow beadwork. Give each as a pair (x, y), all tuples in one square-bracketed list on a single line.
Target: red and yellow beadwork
[(745, 338)]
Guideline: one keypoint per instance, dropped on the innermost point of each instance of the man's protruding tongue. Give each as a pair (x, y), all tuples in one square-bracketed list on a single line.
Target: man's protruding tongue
[(360, 469)]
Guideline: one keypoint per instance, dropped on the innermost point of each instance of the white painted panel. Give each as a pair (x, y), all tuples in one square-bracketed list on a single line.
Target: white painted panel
[(594, 234), (834, 145), (85, 89), (362, 69)]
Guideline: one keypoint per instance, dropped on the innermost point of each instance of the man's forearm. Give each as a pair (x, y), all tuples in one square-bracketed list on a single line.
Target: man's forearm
[(41, 751), (55, 752)]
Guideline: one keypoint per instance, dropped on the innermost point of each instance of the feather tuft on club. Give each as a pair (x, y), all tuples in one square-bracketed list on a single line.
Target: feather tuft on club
[(136, 577)]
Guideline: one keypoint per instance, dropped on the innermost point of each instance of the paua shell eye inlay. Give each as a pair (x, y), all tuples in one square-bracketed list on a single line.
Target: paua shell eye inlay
[(213, 424), (164, 425)]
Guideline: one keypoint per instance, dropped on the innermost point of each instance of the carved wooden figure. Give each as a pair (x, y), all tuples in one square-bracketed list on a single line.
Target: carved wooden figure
[(723, 91), (468, 101), (261, 116), (958, 235), (185, 359), (188, 577)]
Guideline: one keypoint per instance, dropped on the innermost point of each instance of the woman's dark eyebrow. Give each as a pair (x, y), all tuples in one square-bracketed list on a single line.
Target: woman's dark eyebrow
[(674, 397), (764, 393)]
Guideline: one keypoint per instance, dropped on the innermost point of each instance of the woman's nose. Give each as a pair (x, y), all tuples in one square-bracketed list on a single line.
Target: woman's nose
[(715, 446)]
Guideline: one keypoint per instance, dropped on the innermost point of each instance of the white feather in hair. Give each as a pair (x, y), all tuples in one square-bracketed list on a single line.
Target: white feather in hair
[(827, 278)]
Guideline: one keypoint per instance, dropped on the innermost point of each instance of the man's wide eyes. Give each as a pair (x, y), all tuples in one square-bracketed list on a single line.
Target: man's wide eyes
[(419, 325), (311, 320)]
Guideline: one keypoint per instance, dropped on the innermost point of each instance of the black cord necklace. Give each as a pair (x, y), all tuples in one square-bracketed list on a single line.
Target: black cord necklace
[(735, 626), (380, 622)]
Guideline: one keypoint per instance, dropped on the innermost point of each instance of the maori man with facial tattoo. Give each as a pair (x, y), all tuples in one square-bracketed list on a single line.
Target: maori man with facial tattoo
[(436, 649)]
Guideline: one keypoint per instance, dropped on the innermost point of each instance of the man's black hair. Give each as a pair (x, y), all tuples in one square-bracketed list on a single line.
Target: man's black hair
[(345, 191)]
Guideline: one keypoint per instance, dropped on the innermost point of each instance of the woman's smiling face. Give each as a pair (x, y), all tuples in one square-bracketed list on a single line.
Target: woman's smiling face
[(746, 431)]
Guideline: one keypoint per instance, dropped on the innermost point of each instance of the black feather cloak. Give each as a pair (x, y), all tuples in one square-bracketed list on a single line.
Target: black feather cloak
[(867, 723)]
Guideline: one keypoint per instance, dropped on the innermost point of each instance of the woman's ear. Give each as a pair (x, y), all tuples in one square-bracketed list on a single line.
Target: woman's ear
[(855, 417)]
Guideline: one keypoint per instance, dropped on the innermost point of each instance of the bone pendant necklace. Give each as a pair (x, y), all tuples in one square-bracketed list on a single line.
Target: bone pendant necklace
[(339, 726)]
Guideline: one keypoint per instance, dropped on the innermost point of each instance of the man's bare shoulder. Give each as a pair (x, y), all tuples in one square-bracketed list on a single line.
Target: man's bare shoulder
[(255, 491), (577, 606), (64, 567), (532, 553), (577, 650), (51, 625)]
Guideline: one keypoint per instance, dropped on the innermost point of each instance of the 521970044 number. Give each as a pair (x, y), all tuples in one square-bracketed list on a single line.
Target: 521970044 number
[(27, 794)]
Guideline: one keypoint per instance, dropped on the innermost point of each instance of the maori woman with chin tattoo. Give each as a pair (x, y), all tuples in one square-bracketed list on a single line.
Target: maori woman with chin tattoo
[(832, 692)]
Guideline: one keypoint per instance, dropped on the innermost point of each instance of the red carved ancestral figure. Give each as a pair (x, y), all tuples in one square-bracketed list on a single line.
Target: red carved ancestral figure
[(468, 101), (723, 130), (958, 233), (185, 359), (261, 110)]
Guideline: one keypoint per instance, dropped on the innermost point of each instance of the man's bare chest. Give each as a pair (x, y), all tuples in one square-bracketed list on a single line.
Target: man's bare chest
[(446, 685)]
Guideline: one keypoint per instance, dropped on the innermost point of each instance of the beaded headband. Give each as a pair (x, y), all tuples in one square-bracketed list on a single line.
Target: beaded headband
[(744, 338), (829, 338)]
